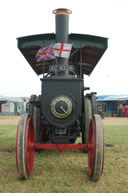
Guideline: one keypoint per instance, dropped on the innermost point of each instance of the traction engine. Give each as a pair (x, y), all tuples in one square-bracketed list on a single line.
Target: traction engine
[(62, 112)]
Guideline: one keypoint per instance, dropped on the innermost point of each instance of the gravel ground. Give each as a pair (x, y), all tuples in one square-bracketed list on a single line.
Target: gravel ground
[(9, 120), (115, 121)]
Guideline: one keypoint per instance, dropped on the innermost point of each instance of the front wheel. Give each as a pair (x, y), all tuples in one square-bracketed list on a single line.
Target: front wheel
[(25, 146), (96, 148)]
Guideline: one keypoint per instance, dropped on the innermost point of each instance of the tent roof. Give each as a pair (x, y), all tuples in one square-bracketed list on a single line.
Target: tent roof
[(10, 99), (112, 97), (93, 48)]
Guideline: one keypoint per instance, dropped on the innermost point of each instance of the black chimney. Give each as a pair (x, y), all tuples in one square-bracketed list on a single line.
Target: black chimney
[(62, 31)]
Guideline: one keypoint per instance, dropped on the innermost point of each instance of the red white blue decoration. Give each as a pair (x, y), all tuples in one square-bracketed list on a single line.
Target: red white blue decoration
[(62, 50), (45, 53)]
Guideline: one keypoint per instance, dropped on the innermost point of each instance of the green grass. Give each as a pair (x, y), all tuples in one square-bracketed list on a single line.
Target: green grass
[(116, 134), (66, 172)]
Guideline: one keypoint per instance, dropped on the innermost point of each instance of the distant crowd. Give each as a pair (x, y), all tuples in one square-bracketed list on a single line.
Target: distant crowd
[(123, 109)]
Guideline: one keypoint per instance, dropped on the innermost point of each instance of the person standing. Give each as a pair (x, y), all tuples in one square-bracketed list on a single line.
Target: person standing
[(126, 110), (121, 110)]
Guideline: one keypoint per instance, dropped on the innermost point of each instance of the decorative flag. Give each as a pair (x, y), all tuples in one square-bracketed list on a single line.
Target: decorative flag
[(45, 53), (62, 50)]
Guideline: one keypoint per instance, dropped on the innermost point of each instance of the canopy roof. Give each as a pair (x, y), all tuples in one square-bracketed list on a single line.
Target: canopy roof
[(93, 47)]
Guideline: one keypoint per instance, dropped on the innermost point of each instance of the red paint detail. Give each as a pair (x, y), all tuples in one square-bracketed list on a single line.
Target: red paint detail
[(17, 134), (60, 146), (91, 147), (30, 145)]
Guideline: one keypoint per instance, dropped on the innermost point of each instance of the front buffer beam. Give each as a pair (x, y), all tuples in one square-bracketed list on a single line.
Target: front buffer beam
[(60, 146)]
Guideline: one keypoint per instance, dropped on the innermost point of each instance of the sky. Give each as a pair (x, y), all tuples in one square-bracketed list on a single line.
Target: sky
[(106, 18)]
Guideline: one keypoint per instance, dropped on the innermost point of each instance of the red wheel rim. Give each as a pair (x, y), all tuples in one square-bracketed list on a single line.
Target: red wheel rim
[(30, 146), (91, 148), (17, 145)]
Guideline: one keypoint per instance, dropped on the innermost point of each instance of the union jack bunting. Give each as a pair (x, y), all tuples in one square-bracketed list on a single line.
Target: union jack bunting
[(62, 50), (45, 53)]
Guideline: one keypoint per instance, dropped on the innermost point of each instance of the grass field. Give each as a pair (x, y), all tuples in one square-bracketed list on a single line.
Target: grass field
[(66, 172)]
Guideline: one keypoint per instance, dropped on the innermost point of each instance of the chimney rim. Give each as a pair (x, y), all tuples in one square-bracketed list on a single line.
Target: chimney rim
[(62, 11)]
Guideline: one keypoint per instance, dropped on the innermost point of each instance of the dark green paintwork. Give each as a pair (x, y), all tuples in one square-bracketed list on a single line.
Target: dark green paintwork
[(78, 40), (41, 40)]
